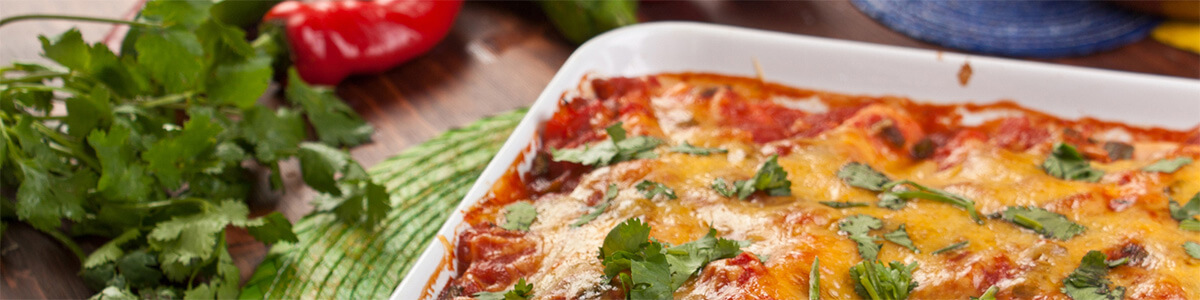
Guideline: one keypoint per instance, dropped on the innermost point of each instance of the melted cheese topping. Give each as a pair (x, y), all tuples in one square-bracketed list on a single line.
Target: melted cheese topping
[(995, 164)]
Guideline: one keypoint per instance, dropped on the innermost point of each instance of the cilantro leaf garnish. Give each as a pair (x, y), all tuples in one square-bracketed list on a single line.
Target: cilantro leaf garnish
[(1190, 225), (1168, 165), (895, 198), (616, 149), (856, 228), (335, 123), (648, 269), (874, 280), (837, 204), (519, 291), (900, 237), (861, 175), (1187, 211), (650, 189), (1088, 280), (1044, 222), (724, 188), (610, 194), (814, 280), (770, 178), (952, 247), (990, 294), (689, 149), (1192, 249), (1065, 162), (518, 216)]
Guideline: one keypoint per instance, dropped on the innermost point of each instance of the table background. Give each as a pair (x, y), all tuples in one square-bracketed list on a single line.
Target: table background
[(498, 57)]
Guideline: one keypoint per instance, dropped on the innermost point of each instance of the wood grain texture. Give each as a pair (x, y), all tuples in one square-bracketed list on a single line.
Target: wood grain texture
[(498, 56)]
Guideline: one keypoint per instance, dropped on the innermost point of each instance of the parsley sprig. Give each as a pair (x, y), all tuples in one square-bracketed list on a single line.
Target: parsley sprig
[(648, 269), (150, 147), (770, 178)]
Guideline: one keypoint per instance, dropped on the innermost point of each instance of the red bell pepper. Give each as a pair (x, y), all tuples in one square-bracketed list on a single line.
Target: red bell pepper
[(330, 40)]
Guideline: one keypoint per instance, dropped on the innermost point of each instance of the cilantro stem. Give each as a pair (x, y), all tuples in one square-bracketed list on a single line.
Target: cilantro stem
[(72, 148), (1028, 223), (42, 88), (165, 203), (67, 242), (38, 76), (5, 21), (165, 100)]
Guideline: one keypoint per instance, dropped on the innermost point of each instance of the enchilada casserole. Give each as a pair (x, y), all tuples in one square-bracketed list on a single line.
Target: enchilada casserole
[(703, 186)]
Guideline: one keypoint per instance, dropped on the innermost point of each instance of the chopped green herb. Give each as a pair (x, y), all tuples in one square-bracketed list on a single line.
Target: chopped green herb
[(895, 199), (1192, 249), (770, 178), (861, 175), (856, 228), (900, 237), (952, 247), (1044, 222), (599, 208), (1186, 212), (874, 280), (519, 216), (650, 189), (990, 294), (656, 269), (836, 204), (520, 291), (1066, 163), (689, 149), (1117, 263), (616, 149), (814, 280), (1088, 280), (723, 187), (1190, 225), (1168, 165)]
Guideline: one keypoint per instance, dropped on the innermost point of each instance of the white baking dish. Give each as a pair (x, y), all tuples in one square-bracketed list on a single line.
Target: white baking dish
[(830, 65)]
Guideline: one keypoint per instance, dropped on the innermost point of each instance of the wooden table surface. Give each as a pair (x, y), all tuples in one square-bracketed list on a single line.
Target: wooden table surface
[(498, 57)]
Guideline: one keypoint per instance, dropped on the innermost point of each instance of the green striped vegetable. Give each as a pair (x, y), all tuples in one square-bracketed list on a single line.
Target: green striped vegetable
[(426, 182)]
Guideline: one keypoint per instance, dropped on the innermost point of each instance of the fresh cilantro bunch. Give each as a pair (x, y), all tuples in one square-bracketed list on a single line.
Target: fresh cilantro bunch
[(649, 269), (150, 148)]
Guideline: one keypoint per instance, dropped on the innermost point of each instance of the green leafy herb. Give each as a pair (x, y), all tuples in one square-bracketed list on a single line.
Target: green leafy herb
[(900, 237), (990, 294), (896, 198), (814, 280), (770, 178), (722, 187), (856, 228), (863, 176), (1044, 222), (1192, 249), (1190, 225), (1066, 163), (519, 216), (1167, 165), (689, 149), (650, 189), (836, 204), (616, 149), (1185, 212), (649, 269), (150, 148), (952, 247), (874, 280), (1088, 280), (520, 291), (599, 208)]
